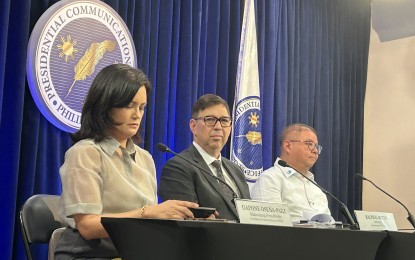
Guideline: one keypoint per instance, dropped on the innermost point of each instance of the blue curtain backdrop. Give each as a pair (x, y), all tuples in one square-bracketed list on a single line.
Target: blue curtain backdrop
[(312, 63)]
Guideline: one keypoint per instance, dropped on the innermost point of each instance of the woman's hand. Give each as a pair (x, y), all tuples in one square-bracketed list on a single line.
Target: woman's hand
[(171, 209)]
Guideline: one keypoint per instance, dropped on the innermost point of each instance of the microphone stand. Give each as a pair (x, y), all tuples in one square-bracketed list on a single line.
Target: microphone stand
[(343, 208), (410, 217)]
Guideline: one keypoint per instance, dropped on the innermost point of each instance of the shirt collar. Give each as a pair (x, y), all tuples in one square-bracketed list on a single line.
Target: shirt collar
[(289, 172), (109, 146), (206, 157)]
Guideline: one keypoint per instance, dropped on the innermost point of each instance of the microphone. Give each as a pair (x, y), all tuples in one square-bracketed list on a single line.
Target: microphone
[(343, 209), (165, 149), (410, 216)]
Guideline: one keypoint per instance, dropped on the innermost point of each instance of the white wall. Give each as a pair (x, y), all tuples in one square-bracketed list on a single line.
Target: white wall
[(389, 121)]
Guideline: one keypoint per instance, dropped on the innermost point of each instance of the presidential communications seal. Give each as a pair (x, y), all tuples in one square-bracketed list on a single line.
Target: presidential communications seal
[(72, 41)]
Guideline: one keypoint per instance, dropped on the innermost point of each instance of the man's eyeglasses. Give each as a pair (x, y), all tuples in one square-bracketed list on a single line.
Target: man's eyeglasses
[(311, 145), (212, 120)]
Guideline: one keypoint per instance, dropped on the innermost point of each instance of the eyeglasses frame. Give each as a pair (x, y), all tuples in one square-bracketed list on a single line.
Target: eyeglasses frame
[(217, 119), (309, 143)]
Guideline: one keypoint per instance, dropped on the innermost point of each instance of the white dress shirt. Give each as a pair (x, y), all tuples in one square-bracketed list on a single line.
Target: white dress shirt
[(284, 185)]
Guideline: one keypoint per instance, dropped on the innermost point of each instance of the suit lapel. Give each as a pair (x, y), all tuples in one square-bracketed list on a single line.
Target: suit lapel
[(235, 178), (198, 159)]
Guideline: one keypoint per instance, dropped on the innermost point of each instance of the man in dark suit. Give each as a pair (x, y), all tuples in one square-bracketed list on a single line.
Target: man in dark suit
[(180, 180)]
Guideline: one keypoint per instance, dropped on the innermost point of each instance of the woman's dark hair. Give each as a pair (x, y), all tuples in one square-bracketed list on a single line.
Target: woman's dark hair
[(113, 87)]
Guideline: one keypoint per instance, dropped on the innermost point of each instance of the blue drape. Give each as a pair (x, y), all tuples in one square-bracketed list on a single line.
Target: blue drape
[(312, 64)]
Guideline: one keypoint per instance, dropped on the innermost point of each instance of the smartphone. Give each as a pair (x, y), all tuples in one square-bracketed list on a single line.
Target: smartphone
[(202, 212)]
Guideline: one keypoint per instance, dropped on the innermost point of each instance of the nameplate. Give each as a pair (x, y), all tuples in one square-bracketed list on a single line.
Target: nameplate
[(263, 213), (371, 221)]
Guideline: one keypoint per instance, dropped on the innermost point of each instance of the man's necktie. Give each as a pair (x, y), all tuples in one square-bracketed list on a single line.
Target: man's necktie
[(228, 192)]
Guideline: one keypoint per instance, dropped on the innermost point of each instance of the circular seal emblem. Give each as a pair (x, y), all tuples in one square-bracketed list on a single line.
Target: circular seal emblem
[(72, 41), (247, 140)]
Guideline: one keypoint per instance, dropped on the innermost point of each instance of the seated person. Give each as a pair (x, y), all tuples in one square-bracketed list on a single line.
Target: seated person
[(105, 174), (211, 126), (300, 149)]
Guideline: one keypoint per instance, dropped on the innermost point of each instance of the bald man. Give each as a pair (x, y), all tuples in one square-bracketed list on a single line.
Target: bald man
[(300, 149)]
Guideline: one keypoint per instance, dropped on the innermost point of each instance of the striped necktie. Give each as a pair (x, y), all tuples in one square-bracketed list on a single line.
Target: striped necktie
[(226, 190)]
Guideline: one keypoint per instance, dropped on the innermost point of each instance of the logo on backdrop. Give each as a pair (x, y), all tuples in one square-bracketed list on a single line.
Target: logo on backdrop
[(72, 41)]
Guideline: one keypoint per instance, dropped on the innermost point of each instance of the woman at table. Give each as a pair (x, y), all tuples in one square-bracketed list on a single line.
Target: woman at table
[(105, 174)]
